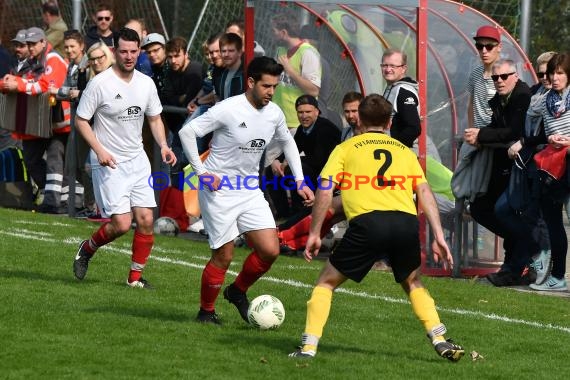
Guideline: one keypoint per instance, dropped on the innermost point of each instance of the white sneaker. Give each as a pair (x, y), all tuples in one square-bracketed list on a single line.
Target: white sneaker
[(197, 226), (551, 284), (542, 266)]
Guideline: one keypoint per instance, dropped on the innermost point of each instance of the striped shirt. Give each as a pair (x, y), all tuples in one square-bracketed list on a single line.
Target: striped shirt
[(555, 125), (481, 90)]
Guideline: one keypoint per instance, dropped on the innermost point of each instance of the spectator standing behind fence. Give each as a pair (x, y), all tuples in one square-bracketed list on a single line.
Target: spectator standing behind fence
[(153, 44), (74, 48), (509, 106), (316, 138), (402, 93), (49, 70), (206, 97), (522, 195), (556, 116), (184, 80), (55, 26), (237, 26), (301, 62), (228, 81), (102, 30), (118, 100)]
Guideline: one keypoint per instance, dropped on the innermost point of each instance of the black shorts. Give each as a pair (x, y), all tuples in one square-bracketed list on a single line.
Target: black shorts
[(379, 235)]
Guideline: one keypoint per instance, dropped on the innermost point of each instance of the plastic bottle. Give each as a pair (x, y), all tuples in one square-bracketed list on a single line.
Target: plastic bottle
[(51, 100)]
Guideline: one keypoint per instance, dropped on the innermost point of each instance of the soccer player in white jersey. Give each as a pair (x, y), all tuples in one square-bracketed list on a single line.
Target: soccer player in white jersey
[(118, 99), (231, 199)]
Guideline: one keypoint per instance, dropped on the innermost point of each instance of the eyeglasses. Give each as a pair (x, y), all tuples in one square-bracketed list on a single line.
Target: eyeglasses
[(489, 47), (98, 59), (101, 18), (504, 77), (155, 50), (389, 66), (540, 74)]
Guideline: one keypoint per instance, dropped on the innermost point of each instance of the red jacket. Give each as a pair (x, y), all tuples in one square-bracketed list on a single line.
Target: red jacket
[(56, 71)]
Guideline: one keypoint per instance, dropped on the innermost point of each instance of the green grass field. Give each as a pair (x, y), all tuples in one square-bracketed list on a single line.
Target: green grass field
[(55, 327)]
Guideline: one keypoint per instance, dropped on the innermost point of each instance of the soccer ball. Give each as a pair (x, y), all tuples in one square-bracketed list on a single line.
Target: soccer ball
[(266, 312), (166, 226)]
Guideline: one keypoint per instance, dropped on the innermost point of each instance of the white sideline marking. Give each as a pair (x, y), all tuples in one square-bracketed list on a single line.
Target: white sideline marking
[(24, 234)]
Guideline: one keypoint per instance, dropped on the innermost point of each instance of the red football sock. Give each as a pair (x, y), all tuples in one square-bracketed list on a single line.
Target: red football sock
[(253, 268), (212, 281), (98, 239), (299, 240), (297, 230), (142, 245)]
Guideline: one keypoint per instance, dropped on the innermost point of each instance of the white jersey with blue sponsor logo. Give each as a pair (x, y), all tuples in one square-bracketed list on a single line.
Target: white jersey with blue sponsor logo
[(241, 133), (119, 108)]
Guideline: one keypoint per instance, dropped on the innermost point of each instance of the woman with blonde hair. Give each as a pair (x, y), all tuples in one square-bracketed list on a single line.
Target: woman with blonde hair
[(100, 58)]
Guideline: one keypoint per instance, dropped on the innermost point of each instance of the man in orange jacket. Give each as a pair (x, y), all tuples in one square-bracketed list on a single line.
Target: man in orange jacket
[(48, 69)]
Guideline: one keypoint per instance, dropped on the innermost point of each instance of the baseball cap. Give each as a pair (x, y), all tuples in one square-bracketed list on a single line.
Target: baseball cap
[(306, 99), (488, 31), (20, 36), (35, 34), (153, 38)]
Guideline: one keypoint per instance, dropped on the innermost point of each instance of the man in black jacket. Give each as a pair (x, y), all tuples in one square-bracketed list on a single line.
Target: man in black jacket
[(509, 106), (402, 92), (316, 137)]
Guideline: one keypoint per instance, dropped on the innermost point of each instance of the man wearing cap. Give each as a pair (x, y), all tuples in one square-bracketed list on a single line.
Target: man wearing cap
[(55, 26), (153, 44), (48, 69), (316, 137), (21, 53)]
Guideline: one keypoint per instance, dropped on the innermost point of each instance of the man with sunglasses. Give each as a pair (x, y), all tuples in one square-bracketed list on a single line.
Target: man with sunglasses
[(101, 31), (508, 106)]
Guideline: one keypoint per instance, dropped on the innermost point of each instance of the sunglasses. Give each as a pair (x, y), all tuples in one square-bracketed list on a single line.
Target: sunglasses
[(540, 74), (489, 47), (107, 18), (504, 77)]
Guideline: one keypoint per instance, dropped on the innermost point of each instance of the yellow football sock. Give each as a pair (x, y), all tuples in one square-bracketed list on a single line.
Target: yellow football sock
[(424, 308), (318, 308)]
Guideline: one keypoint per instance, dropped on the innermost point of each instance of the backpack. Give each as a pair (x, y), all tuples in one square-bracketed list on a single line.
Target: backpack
[(15, 185)]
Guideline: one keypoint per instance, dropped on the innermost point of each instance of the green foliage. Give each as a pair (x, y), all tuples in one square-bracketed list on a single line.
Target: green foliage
[(55, 327)]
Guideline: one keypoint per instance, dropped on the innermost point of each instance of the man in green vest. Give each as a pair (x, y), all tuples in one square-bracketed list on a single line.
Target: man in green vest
[(301, 63)]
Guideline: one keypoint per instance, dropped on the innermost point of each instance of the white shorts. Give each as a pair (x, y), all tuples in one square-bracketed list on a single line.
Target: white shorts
[(228, 213), (118, 190)]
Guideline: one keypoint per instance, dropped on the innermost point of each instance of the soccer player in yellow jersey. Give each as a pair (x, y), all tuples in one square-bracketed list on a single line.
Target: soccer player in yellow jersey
[(378, 176)]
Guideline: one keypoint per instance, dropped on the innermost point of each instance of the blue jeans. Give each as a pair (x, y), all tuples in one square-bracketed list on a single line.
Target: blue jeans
[(520, 230)]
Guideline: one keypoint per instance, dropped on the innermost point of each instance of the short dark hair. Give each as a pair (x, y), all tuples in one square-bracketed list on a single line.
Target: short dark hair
[(176, 44), (352, 96), (103, 7), (73, 34), (237, 22), (263, 65), (289, 22), (375, 111), (231, 39), (213, 38), (127, 34), (50, 8), (559, 60)]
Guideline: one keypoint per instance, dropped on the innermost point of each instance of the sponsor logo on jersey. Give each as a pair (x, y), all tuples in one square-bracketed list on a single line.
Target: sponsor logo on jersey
[(253, 146), (131, 113), (410, 100), (242, 125), (118, 96)]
